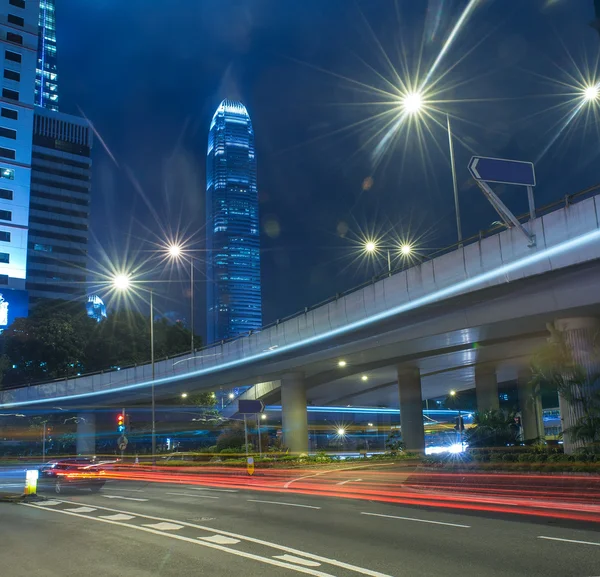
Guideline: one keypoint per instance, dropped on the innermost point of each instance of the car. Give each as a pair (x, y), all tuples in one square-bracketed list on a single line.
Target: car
[(79, 473)]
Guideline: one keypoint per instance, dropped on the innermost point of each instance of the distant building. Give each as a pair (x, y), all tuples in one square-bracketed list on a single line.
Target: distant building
[(96, 309), (46, 77), (19, 39), (232, 239), (59, 207)]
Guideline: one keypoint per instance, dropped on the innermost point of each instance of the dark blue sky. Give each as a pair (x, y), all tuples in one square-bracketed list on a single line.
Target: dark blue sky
[(149, 74)]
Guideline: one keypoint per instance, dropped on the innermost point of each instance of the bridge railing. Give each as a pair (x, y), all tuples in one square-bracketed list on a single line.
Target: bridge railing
[(541, 211)]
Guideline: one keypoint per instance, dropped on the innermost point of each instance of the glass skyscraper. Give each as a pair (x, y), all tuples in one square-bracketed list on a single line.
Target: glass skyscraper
[(46, 73), (232, 228)]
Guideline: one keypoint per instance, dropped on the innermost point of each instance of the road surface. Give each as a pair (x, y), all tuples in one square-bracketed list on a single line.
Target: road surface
[(142, 529)]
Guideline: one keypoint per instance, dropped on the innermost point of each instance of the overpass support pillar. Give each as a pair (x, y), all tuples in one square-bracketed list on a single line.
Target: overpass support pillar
[(411, 408), (580, 337), (86, 433), (530, 403), (486, 388), (293, 412)]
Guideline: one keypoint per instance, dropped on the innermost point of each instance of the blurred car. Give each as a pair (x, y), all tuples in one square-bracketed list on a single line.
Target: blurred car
[(76, 473)]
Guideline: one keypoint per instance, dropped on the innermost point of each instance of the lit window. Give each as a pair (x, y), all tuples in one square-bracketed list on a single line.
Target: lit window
[(7, 173), (42, 247)]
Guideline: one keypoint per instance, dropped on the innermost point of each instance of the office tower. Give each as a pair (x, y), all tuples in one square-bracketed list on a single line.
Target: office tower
[(46, 77), (19, 38), (59, 207), (234, 303)]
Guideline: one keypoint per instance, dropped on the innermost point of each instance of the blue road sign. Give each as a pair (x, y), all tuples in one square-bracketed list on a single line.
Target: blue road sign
[(502, 171), (250, 407)]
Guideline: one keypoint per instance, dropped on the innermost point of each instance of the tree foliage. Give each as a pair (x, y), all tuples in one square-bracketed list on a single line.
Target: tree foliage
[(59, 340), (494, 428)]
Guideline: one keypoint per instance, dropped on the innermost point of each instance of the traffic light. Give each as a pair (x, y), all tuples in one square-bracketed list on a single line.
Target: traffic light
[(121, 423)]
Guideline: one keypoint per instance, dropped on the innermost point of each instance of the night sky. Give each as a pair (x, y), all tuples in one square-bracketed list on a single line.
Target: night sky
[(150, 73)]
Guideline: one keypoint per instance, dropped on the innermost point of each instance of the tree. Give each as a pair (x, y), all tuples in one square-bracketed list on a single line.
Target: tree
[(494, 428), (49, 344)]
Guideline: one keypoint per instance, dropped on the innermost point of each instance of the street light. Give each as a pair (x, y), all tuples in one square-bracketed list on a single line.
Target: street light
[(175, 252), (184, 395), (341, 432), (263, 417), (342, 364), (453, 393), (231, 396), (591, 93), (404, 249), (364, 378), (413, 103), (122, 283)]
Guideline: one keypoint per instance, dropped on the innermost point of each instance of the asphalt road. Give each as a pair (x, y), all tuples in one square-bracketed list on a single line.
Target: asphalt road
[(139, 529)]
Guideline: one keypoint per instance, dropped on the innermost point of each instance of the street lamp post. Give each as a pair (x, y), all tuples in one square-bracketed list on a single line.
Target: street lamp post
[(176, 252), (372, 247), (454, 181)]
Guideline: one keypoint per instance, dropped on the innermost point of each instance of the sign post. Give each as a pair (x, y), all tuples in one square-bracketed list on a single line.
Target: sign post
[(514, 172), (249, 407)]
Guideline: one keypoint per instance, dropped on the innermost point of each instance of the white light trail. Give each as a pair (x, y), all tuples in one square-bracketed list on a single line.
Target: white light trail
[(436, 296)]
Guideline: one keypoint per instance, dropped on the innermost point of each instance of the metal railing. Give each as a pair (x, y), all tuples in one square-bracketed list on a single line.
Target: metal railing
[(565, 202)]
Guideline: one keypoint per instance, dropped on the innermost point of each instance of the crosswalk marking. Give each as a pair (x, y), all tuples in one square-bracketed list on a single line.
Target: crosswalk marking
[(297, 560), (81, 510), (164, 526), (220, 540), (117, 517)]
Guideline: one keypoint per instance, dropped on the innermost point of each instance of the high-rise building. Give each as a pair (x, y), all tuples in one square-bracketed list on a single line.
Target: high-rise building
[(59, 207), (19, 39), (234, 304), (46, 77)]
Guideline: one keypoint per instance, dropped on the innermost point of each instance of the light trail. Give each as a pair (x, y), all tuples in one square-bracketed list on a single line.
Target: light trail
[(434, 297)]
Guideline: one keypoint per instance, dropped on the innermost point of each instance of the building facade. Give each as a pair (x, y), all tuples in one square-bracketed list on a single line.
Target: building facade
[(234, 303), (59, 208), (46, 77), (19, 39)]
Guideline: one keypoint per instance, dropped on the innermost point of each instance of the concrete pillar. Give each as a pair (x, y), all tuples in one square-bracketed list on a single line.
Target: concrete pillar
[(293, 413), (411, 408), (579, 335), (486, 388), (86, 433), (530, 404)]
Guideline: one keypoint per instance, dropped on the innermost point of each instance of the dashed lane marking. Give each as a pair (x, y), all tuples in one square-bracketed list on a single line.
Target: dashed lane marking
[(122, 489), (417, 520), (81, 510), (117, 517), (284, 504), (124, 498), (349, 481), (210, 489), (220, 540), (297, 560), (569, 540), (164, 526), (195, 495), (248, 539)]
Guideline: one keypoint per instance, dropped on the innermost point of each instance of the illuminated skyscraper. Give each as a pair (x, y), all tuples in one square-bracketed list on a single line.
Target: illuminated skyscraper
[(46, 74), (232, 229)]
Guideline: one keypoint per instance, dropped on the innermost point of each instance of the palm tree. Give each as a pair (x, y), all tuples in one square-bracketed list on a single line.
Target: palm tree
[(494, 428)]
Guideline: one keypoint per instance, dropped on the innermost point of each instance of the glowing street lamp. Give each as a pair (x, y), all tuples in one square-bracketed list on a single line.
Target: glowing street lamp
[(175, 252), (184, 395), (591, 93), (364, 378), (412, 102), (406, 249), (341, 432), (122, 283), (453, 393), (342, 364), (370, 246), (231, 396)]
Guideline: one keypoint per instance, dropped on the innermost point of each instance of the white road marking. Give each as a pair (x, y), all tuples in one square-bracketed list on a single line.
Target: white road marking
[(286, 486), (125, 498), (418, 520), (193, 495), (252, 556), (50, 503), (298, 560), (349, 481), (117, 517), (81, 510), (220, 540), (280, 503), (163, 526), (121, 489), (569, 541), (217, 490), (342, 564)]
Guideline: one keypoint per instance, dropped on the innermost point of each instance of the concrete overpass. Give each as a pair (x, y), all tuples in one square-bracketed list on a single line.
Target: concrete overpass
[(473, 314)]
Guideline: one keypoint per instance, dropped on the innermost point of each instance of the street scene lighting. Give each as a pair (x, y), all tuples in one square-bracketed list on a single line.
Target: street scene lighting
[(184, 395), (342, 364), (364, 378), (121, 282), (231, 396), (341, 432), (405, 249), (453, 393), (412, 102), (591, 93), (370, 246), (174, 250), (263, 417)]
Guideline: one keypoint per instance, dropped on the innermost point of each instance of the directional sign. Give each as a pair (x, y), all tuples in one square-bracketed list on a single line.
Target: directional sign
[(250, 407), (502, 171), (250, 466)]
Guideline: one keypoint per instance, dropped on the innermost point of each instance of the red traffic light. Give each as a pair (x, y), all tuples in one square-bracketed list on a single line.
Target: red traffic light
[(120, 419)]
